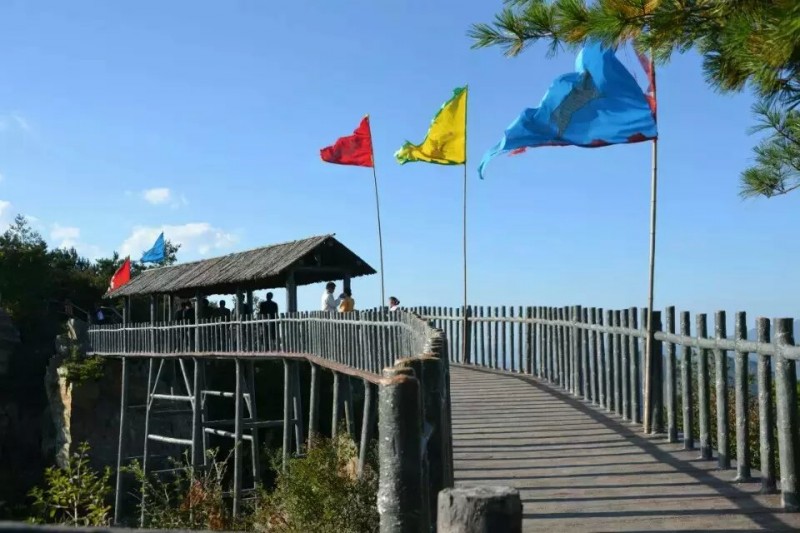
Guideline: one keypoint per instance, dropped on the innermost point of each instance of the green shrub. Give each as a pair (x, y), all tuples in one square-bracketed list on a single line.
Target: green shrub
[(75, 495), (322, 492), (187, 498), (81, 368)]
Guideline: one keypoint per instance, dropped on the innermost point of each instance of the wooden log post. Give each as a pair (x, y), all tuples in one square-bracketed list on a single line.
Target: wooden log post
[(686, 386), (766, 409), (197, 412), (788, 423), (400, 501), (721, 384), (485, 509), (121, 444), (466, 337), (237, 441), (742, 403), (618, 368), (335, 406), (313, 406), (530, 336), (671, 382), (366, 428), (704, 408), (291, 293), (656, 378), (624, 368), (287, 409), (636, 382)]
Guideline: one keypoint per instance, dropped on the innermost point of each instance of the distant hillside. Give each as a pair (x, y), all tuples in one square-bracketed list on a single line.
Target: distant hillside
[(752, 334)]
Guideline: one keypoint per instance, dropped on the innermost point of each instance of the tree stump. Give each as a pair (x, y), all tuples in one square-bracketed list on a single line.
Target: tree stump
[(479, 510)]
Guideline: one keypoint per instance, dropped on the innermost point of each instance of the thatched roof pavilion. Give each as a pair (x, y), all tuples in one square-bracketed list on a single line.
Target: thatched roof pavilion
[(286, 265)]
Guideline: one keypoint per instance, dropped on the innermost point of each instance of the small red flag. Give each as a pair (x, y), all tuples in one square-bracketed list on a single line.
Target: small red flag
[(121, 276), (355, 149)]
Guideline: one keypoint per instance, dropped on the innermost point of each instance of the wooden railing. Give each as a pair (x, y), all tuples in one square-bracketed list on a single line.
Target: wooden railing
[(396, 352), (598, 355)]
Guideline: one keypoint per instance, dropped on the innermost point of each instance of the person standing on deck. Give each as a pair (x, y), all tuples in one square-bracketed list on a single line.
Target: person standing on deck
[(224, 313), (329, 303), (394, 304), (346, 302), (269, 310)]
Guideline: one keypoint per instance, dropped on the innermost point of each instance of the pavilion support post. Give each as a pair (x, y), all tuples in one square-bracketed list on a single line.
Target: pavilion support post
[(239, 304), (346, 282), (170, 308), (197, 312), (249, 300), (291, 293), (152, 336)]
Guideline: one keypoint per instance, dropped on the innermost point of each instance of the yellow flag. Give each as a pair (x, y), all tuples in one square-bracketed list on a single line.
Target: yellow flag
[(446, 142)]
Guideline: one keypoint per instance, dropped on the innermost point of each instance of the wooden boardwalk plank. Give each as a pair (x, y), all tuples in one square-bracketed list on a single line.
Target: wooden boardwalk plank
[(579, 468)]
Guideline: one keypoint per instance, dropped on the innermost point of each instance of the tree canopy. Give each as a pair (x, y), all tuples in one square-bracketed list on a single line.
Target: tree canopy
[(743, 43), (36, 281)]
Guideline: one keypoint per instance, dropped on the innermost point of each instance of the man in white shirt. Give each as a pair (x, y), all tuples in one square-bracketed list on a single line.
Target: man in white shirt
[(329, 304)]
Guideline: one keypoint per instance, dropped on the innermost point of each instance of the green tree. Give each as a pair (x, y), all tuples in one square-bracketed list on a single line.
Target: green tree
[(743, 43), (75, 495)]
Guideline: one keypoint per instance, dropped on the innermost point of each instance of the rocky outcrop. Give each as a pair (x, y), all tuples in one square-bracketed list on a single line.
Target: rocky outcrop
[(9, 340), (57, 442)]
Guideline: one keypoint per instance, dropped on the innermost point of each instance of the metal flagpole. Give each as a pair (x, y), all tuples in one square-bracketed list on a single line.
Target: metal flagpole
[(378, 210), (650, 357), (465, 340)]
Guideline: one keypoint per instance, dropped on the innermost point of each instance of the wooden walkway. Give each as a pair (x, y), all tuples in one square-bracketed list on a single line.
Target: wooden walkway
[(579, 468)]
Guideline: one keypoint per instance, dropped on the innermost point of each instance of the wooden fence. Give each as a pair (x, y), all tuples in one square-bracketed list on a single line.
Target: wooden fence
[(597, 354), (396, 353)]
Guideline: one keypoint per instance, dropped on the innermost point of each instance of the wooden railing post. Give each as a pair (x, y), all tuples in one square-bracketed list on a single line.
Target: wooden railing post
[(672, 382), (400, 502), (703, 399), (766, 408), (467, 337), (656, 379), (721, 383), (788, 424), (687, 393), (742, 403)]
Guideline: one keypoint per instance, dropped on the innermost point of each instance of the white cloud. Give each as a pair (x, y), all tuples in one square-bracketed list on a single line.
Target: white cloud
[(66, 236), (15, 121), (196, 239), (157, 196), (164, 195), (21, 122), (69, 237)]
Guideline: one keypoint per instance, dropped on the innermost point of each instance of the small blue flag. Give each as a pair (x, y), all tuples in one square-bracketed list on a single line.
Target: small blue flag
[(599, 105), (157, 253)]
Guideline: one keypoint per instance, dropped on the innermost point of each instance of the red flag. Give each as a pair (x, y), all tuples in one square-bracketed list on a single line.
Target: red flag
[(121, 276), (355, 149)]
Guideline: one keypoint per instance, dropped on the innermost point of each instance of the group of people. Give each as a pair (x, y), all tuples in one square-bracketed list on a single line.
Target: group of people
[(266, 309), (345, 302)]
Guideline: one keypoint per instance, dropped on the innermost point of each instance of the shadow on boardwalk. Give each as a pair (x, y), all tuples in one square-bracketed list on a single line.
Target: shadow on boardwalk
[(580, 469)]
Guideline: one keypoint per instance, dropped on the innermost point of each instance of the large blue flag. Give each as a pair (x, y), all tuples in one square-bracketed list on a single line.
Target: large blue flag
[(598, 105), (157, 253)]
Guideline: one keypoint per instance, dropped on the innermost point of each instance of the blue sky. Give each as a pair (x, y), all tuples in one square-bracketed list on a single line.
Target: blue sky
[(205, 119)]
